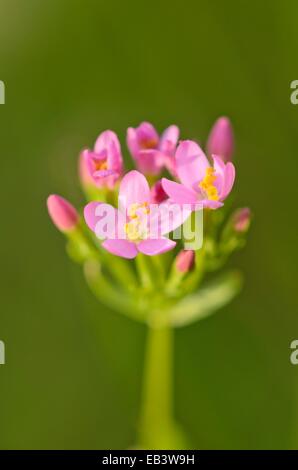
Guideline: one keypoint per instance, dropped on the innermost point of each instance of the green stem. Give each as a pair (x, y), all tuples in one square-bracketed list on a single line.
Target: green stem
[(174, 281), (144, 271), (156, 415), (158, 429)]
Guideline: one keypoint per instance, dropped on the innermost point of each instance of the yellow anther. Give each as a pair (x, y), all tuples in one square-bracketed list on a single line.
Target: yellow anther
[(132, 231), (135, 230), (135, 210), (146, 144), (132, 210), (100, 165), (207, 184)]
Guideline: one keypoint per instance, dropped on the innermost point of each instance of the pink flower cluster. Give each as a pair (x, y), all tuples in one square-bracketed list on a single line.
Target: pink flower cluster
[(195, 178)]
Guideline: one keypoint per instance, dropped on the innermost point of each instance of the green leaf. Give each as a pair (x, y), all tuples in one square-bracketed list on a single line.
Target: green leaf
[(207, 300)]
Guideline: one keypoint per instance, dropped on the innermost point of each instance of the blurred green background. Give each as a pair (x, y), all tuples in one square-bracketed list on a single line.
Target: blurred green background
[(72, 69)]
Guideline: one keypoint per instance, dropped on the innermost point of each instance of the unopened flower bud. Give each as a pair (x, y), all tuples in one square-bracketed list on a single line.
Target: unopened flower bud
[(62, 213), (241, 220), (185, 261), (221, 139), (158, 195)]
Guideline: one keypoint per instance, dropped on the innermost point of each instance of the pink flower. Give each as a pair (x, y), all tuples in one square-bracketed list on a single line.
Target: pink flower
[(201, 182), (105, 163), (221, 139), (150, 151), (137, 225), (62, 213)]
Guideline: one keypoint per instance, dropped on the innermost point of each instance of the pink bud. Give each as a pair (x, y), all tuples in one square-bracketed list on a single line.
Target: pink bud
[(62, 213), (185, 261), (241, 220), (157, 193), (221, 139)]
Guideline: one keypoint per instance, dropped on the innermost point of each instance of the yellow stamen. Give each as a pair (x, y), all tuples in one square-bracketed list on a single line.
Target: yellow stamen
[(134, 208), (207, 184), (132, 231), (100, 165), (136, 228), (146, 144)]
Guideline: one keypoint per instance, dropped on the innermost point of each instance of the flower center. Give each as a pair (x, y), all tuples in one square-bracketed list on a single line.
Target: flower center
[(146, 144), (207, 184), (100, 165), (137, 210), (136, 228)]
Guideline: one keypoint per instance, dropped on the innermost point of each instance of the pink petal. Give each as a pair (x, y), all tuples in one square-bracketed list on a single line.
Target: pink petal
[(132, 141), (133, 189), (170, 165), (108, 145), (230, 174), (219, 168), (122, 248), (211, 204), (225, 176), (157, 194), (169, 139), (104, 220), (185, 261), (62, 213), (168, 216), (178, 192), (241, 219), (108, 150), (150, 161), (89, 156), (104, 173), (143, 137), (152, 247), (147, 133), (191, 163), (114, 156), (84, 171), (105, 139), (221, 139), (218, 164), (89, 214)]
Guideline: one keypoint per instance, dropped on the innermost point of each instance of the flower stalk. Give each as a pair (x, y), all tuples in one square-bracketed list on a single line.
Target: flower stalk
[(158, 429)]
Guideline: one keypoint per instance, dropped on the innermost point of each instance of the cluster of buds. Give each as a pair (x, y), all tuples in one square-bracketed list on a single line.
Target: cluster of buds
[(172, 181)]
